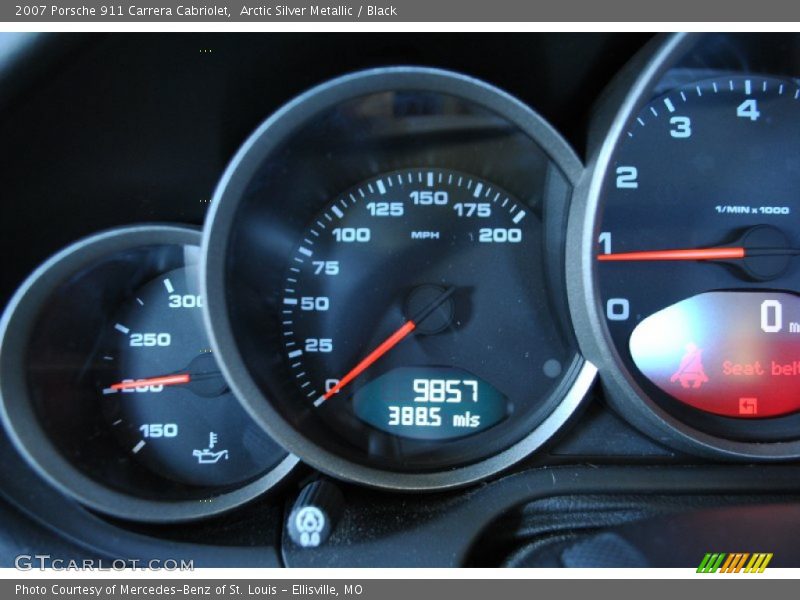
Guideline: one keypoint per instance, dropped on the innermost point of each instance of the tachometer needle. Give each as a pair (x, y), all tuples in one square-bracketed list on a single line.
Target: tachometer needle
[(685, 254), (386, 345), (731, 253), (165, 380), (759, 241)]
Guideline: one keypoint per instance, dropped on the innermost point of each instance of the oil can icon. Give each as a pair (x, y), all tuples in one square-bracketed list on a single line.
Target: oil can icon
[(206, 456), (691, 373)]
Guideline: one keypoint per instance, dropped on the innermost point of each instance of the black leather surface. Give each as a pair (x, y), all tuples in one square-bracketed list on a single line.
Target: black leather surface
[(640, 530)]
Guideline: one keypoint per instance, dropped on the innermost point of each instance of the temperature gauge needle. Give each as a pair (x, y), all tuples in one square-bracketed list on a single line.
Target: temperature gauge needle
[(165, 380), (201, 377), (386, 345)]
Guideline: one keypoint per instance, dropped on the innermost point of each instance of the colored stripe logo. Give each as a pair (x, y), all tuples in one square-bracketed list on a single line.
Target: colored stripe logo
[(737, 562)]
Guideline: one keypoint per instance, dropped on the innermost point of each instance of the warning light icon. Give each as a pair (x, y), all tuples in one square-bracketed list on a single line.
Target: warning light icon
[(748, 406), (690, 373)]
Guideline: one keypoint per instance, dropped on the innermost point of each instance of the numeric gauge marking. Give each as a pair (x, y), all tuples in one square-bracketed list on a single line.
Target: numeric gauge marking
[(400, 205), (114, 396), (700, 231), (170, 404), (370, 387)]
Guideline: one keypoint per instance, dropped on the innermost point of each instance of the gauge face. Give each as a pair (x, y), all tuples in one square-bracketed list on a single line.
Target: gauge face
[(169, 404), (413, 315), (697, 250), (384, 273), (110, 390)]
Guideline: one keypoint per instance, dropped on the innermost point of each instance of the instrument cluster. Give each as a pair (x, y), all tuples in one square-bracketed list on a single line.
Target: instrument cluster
[(409, 280)]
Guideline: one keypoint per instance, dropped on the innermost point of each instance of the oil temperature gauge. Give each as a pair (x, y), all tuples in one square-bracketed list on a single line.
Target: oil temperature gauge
[(168, 403), (109, 388)]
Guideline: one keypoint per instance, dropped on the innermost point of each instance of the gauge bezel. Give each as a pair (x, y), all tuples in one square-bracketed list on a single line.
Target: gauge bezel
[(217, 237), (628, 94), (18, 414)]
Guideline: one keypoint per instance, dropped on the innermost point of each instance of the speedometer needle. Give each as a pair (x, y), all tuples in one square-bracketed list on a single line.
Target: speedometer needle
[(390, 342)]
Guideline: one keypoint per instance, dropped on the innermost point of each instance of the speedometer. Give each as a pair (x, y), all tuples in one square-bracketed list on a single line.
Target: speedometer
[(433, 340), (385, 279)]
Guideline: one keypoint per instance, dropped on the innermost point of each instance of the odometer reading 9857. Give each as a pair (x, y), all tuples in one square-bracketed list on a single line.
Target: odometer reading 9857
[(432, 403)]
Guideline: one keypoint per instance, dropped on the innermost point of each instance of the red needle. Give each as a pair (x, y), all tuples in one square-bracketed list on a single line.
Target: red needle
[(687, 254), (382, 349), (165, 380), (388, 343)]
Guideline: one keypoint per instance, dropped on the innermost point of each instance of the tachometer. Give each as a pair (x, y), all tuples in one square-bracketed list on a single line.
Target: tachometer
[(408, 306), (694, 249), (385, 279)]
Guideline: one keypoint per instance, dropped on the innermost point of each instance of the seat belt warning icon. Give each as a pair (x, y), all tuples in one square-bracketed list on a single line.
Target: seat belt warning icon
[(690, 373)]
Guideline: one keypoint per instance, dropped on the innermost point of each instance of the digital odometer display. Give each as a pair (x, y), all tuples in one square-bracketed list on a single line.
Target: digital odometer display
[(430, 403)]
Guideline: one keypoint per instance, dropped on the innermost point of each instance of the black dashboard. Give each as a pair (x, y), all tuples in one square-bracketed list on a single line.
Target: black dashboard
[(400, 299)]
